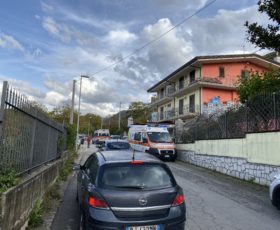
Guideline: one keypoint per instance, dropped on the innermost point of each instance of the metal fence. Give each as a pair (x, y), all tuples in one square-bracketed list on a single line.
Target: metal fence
[(28, 138), (261, 114)]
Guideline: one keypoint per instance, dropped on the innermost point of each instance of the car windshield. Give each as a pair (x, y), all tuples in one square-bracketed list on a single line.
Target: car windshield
[(136, 177), (117, 145), (160, 137)]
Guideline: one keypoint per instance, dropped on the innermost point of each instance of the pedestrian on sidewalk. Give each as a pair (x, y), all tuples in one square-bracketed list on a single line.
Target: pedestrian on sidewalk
[(88, 141)]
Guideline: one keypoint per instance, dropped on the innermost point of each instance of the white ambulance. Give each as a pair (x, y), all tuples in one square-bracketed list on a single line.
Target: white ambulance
[(152, 139), (100, 136)]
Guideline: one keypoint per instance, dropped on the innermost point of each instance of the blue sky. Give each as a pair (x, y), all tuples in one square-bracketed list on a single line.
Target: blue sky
[(44, 45)]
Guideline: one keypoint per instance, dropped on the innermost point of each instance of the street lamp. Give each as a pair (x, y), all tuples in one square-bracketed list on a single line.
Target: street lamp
[(78, 121)]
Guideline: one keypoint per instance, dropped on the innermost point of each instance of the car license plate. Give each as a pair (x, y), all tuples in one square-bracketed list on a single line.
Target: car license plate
[(167, 156), (148, 227)]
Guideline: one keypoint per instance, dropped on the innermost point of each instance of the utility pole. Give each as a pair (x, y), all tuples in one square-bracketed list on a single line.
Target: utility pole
[(73, 103), (78, 120), (120, 116)]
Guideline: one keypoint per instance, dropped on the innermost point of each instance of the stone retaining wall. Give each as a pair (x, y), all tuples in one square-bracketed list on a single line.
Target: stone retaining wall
[(232, 166), (17, 203)]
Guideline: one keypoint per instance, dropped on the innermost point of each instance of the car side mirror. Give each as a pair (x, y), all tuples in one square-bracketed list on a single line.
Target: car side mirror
[(76, 167)]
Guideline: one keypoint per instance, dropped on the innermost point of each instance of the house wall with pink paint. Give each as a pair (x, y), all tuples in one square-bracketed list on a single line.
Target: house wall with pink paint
[(224, 95), (230, 78), (231, 70)]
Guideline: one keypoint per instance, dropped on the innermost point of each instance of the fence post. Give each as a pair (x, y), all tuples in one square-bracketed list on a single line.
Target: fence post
[(246, 109), (2, 105), (33, 139), (226, 126), (274, 111)]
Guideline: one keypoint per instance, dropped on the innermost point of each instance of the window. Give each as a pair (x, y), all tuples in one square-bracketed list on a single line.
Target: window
[(192, 76), (116, 145), (136, 177), (137, 137), (161, 113), (245, 73), (221, 71), (161, 93), (181, 106), (91, 168), (181, 83), (192, 103)]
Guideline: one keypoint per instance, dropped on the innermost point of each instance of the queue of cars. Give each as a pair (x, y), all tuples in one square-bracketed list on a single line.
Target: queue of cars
[(124, 189)]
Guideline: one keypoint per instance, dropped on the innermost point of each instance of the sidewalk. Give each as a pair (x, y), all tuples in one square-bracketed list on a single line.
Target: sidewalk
[(64, 213)]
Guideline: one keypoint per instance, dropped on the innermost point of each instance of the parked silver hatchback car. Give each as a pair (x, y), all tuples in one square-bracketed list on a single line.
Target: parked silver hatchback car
[(274, 191)]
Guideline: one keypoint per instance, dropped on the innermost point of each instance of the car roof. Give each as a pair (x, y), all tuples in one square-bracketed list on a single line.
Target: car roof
[(116, 140), (126, 156)]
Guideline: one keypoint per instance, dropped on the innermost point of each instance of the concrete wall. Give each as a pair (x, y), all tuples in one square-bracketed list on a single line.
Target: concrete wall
[(17, 202), (261, 148), (255, 158)]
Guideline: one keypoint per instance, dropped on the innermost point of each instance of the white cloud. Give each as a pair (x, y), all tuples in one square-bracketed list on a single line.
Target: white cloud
[(9, 42), (46, 7), (54, 98), (120, 37), (224, 33), (23, 87), (56, 30), (38, 17), (67, 34), (160, 58)]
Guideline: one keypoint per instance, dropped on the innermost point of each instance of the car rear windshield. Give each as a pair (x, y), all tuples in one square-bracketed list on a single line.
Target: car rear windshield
[(142, 176), (118, 145)]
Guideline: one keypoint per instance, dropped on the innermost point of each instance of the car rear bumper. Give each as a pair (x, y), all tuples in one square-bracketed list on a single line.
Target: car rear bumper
[(106, 220)]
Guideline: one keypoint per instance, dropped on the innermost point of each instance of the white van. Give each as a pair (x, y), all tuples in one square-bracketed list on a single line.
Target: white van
[(155, 140), (100, 136)]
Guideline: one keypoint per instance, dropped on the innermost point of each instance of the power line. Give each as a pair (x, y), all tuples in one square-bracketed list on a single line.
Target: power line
[(156, 39)]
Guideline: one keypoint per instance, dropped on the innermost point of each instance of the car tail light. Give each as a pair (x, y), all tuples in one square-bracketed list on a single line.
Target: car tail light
[(179, 199), (136, 162), (97, 203)]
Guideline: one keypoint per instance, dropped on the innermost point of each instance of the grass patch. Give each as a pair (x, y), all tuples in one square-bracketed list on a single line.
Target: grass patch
[(67, 167), (43, 206), (8, 180), (36, 216)]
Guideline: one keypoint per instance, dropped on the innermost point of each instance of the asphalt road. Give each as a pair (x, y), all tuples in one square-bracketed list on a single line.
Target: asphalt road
[(214, 201)]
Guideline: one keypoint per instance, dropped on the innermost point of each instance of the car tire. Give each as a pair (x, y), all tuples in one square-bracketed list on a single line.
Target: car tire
[(83, 223), (77, 197), (276, 198)]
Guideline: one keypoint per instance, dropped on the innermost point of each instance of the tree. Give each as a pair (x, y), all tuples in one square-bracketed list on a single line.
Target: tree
[(256, 83), (139, 111), (266, 37), (61, 113)]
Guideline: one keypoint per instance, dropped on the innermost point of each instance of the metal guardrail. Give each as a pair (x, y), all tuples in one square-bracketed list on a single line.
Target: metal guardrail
[(28, 138)]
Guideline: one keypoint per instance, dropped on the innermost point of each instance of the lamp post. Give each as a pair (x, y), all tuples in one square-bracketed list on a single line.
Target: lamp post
[(78, 121)]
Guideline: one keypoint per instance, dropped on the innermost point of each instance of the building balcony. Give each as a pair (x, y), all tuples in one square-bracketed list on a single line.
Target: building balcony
[(184, 112), (186, 87)]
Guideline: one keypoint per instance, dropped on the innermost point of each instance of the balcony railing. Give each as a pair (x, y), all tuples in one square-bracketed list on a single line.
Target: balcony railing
[(171, 90), (187, 110)]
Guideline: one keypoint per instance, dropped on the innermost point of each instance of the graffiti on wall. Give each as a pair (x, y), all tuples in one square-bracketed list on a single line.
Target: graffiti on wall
[(215, 106)]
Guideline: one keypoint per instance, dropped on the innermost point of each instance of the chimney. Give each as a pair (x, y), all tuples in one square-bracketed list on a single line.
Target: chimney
[(277, 57)]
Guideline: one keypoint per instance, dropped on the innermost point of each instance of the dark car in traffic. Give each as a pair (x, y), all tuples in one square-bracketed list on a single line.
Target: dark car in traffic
[(126, 190), (115, 144)]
